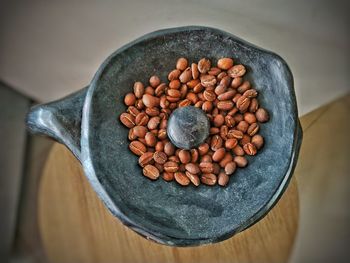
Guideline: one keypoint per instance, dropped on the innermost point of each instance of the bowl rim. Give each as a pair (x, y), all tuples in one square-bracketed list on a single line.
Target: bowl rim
[(104, 196)]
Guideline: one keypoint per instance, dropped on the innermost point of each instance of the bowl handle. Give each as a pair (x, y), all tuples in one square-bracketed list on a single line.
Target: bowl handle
[(60, 120)]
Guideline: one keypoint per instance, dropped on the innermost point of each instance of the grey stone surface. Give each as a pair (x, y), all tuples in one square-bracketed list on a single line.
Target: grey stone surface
[(166, 212), (188, 127)]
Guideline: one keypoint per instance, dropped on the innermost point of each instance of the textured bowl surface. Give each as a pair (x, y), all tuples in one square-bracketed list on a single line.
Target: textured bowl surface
[(166, 212)]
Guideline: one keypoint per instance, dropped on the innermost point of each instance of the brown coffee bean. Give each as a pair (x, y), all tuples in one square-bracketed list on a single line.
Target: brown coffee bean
[(246, 139), (183, 91), (224, 80), (238, 150), (225, 63), (220, 89), (244, 87), (198, 88), (227, 95), (152, 112), (214, 130), (181, 178), (224, 132), (150, 101), (160, 157), (150, 139), (139, 89), (200, 96), (174, 93), (155, 132), (206, 167), (230, 168), (258, 141), (214, 71), (163, 124), (139, 104), (243, 104), (231, 143), (193, 178), (206, 159), (146, 158), (171, 166), (230, 121), (181, 64), (127, 119), (186, 75), (174, 159), (225, 105), (154, 81), (242, 126), (149, 90), (141, 119), (249, 117), (192, 97), (192, 83), (249, 148), (184, 103), (137, 148), (208, 179), (223, 179), (236, 71), (207, 106), (174, 74), (199, 104), (250, 93), (240, 161), (226, 160), (204, 65), (254, 105), (153, 123), (253, 129), (151, 172), (133, 111), (194, 155), (234, 134), (192, 168), (236, 97), (129, 99), (208, 80), (140, 131), (203, 149), (209, 95), (131, 135), (160, 90), (236, 82), (162, 134), (184, 156), (159, 146), (216, 142), (219, 155), (232, 112), (175, 84), (262, 115), (194, 70), (168, 176), (238, 117), (219, 120), (221, 76), (169, 149), (173, 100)]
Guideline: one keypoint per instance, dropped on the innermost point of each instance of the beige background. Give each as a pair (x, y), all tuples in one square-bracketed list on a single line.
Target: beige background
[(51, 48)]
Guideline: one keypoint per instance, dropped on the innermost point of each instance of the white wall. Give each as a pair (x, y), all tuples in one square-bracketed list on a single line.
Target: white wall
[(51, 48)]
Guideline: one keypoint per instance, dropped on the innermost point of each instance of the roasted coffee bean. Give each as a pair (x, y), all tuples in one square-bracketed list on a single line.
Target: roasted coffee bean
[(183, 91), (168, 176), (245, 139), (223, 179), (203, 149), (243, 104), (171, 166), (153, 123), (154, 81), (230, 121), (174, 93), (142, 140), (213, 130), (194, 155), (236, 82), (244, 87), (198, 88), (249, 148), (217, 168), (160, 157), (140, 131), (234, 134), (230, 168), (129, 99), (146, 158), (141, 119), (204, 65), (262, 115), (249, 117), (238, 117), (225, 63), (151, 172), (181, 64), (131, 135), (184, 103), (193, 178), (159, 146), (220, 89), (181, 178), (127, 119), (216, 142), (219, 155), (133, 111), (192, 97), (162, 134), (236, 97), (225, 105), (192, 168), (150, 101), (208, 179), (240, 161), (149, 90), (208, 80), (195, 71), (186, 75), (236, 71), (160, 90), (219, 120), (150, 139), (206, 167), (207, 106), (174, 74), (214, 71), (250, 93), (139, 89), (209, 95), (163, 124), (152, 112), (253, 129), (184, 156), (192, 83), (242, 126), (174, 158), (227, 95), (206, 158), (254, 105), (231, 143), (238, 150), (169, 149), (226, 160), (222, 75), (224, 131), (137, 148), (175, 84), (258, 141)]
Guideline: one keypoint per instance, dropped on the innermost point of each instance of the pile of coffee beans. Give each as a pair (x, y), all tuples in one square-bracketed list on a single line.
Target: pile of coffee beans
[(231, 105)]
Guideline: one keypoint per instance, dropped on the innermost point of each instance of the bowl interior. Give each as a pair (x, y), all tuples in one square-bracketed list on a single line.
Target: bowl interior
[(169, 213)]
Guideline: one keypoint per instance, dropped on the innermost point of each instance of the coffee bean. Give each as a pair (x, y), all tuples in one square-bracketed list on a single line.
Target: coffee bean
[(150, 139), (224, 131), (160, 90), (219, 155), (206, 159), (209, 95), (195, 71), (240, 161), (245, 139), (140, 131), (133, 111), (208, 80), (193, 178), (169, 149), (203, 149), (243, 103), (174, 158), (230, 168), (192, 97), (141, 119), (208, 179), (226, 160), (139, 89), (183, 91), (206, 167), (204, 65), (145, 159), (181, 64), (244, 87), (127, 119), (249, 148), (249, 117), (231, 143), (152, 112), (181, 178), (236, 71), (253, 129), (137, 147), (250, 93), (198, 88), (151, 172), (207, 106), (159, 146), (192, 83), (129, 99), (149, 90), (225, 63), (220, 89), (131, 135), (258, 141), (223, 179), (262, 115), (227, 95), (219, 120), (230, 121), (236, 82), (214, 130), (184, 156), (150, 101), (238, 150), (222, 75), (242, 126), (192, 168), (234, 134), (254, 105), (171, 166), (216, 142), (174, 74), (214, 71), (168, 176), (186, 75), (160, 157), (225, 105)]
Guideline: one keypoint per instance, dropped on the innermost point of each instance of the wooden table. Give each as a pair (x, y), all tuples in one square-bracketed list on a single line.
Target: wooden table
[(76, 227)]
